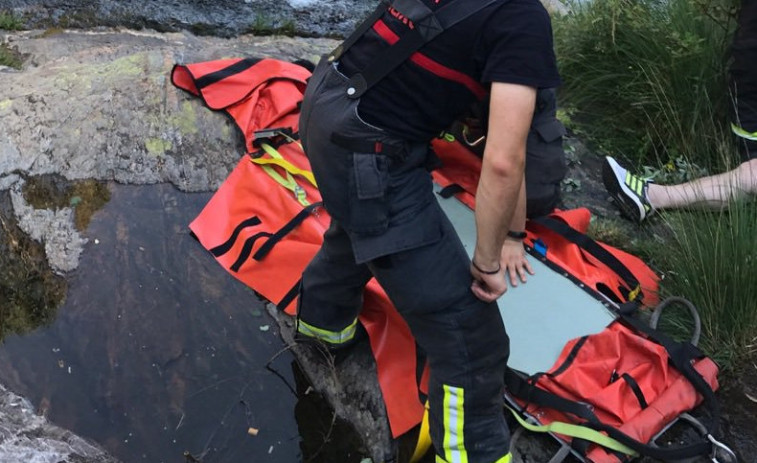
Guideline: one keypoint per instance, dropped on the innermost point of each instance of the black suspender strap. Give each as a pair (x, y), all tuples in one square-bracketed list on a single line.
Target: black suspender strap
[(367, 23), (426, 27)]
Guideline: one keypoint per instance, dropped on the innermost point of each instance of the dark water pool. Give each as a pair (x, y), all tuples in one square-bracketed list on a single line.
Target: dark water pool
[(157, 353)]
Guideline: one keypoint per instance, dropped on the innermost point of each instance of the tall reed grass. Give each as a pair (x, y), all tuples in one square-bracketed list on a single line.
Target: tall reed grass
[(647, 79), (712, 261)]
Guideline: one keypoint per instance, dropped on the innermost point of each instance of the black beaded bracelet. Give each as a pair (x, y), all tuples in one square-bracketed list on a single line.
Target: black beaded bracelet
[(516, 235), (493, 272)]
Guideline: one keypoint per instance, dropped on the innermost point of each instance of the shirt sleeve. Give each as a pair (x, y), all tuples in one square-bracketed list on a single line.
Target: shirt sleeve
[(517, 46)]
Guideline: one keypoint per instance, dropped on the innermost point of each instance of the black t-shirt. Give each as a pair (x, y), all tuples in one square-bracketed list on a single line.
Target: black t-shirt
[(508, 41)]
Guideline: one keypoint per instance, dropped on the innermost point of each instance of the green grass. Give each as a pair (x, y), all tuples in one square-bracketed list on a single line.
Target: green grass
[(646, 79), (712, 261), (265, 26), (9, 58), (9, 22)]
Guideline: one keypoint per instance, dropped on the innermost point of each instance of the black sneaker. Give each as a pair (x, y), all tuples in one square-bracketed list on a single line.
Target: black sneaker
[(628, 190)]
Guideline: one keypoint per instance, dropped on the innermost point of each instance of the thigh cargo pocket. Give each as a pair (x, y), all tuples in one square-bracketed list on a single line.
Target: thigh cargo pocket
[(369, 178)]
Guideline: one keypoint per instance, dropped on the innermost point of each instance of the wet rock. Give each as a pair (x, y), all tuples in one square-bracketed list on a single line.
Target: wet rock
[(54, 228), (226, 18), (349, 386), (100, 105), (30, 438)]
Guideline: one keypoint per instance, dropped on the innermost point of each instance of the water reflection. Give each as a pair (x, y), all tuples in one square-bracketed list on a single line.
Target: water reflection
[(157, 351), (29, 291)]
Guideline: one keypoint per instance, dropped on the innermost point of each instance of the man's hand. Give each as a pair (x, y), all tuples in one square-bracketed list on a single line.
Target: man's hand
[(513, 261), (488, 287)]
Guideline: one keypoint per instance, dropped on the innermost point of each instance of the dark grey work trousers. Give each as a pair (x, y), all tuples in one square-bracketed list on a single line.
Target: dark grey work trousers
[(387, 224)]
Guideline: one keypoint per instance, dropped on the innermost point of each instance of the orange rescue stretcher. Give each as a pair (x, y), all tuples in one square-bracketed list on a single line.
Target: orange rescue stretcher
[(582, 367)]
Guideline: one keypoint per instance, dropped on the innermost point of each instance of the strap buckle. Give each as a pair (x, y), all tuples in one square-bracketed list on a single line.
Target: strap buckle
[(267, 135)]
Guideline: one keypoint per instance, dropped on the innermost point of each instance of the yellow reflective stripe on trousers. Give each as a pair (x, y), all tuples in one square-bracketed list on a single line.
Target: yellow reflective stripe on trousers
[(331, 337), (743, 133), (506, 459), (453, 445)]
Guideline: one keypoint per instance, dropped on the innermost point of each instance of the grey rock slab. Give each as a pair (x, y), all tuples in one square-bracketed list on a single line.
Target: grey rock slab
[(220, 18), (101, 105), (28, 437)]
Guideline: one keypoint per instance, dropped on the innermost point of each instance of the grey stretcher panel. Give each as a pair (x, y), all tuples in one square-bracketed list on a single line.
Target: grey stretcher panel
[(542, 315)]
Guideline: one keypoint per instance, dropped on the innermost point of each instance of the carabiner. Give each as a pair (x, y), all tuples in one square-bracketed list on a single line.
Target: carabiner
[(719, 447)]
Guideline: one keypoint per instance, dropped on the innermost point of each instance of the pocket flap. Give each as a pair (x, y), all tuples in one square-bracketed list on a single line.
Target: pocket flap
[(551, 130), (370, 175)]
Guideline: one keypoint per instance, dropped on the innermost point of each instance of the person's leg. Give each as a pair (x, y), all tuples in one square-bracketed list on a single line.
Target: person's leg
[(638, 198), (465, 342), (714, 191), (331, 293)]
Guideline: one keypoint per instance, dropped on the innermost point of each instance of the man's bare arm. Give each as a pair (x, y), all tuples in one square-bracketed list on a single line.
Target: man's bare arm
[(511, 110)]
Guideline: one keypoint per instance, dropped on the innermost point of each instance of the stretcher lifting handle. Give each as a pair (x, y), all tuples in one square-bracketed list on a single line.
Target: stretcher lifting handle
[(657, 313)]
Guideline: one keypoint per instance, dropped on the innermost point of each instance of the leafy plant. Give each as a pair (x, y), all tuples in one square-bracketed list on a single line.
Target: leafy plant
[(678, 170)]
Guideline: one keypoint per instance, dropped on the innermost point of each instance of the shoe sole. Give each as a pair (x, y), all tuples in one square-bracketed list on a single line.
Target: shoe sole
[(626, 199)]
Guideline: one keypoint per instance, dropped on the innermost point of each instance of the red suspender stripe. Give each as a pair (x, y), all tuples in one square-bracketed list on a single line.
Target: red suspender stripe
[(430, 65)]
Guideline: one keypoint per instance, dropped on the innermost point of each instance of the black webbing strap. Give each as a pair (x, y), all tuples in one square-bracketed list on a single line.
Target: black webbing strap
[(451, 190), (635, 389), (596, 250), (426, 29), (522, 389), (222, 249), (571, 356), (363, 145), (285, 230), (244, 254), (289, 296), (217, 76)]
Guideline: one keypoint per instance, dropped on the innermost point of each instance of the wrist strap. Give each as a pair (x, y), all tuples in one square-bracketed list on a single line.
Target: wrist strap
[(492, 272), (516, 235)]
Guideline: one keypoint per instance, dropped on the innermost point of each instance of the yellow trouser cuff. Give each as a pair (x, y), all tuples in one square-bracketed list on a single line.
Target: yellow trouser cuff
[(506, 459), (331, 337)]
